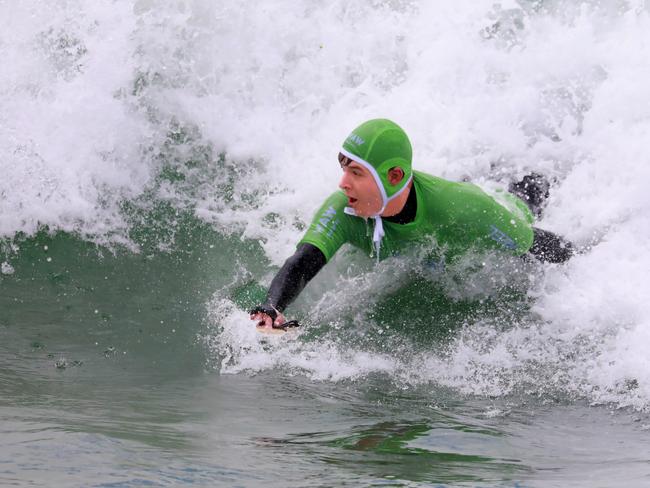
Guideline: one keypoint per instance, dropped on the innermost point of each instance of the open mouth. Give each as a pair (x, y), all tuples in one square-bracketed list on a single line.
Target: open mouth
[(351, 201)]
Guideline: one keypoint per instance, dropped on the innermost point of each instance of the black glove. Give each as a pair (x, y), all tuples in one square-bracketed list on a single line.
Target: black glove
[(273, 313), (268, 310)]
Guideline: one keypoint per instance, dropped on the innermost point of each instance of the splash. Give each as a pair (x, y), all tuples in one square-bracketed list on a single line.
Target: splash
[(115, 114)]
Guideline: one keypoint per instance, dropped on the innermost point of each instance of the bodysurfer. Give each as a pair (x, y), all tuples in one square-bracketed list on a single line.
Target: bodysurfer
[(383, 206)]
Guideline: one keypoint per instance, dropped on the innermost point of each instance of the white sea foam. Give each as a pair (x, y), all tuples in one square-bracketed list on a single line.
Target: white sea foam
[(68, 144), (485, 91), (240, 348)]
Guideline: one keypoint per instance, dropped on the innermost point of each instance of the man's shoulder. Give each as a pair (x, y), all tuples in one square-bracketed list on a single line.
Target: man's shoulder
[(440, 183), (331, 226), (426, 180), (459, 203), (440, 192)]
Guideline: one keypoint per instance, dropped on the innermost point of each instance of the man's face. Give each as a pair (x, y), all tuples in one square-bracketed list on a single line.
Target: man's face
[(360, 187)]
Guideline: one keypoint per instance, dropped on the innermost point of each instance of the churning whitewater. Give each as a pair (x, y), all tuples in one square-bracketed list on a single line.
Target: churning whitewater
[(122, 117)]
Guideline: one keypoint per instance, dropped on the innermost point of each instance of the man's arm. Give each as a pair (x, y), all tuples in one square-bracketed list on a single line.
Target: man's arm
[(287, 284), (328, 231)]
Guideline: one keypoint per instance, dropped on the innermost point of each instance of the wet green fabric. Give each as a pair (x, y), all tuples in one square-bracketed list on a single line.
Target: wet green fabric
[(457, 217)]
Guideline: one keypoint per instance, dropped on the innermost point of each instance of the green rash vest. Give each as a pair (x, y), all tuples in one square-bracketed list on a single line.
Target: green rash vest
[(458, 216)]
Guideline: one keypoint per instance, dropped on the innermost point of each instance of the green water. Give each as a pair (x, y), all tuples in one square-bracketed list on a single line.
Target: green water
[(105, 381)]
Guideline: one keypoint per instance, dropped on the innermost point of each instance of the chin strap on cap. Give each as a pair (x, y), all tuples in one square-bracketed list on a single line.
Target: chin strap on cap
[(378, 232)]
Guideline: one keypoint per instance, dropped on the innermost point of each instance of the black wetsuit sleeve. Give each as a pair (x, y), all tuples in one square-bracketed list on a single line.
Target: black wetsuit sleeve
[(293, 276), (549, 247)]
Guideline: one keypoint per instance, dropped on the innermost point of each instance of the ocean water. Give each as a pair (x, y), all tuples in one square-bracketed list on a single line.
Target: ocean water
[(159, 161)]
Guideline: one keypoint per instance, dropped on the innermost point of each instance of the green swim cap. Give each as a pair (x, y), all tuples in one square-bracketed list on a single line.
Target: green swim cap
[(380, 145)]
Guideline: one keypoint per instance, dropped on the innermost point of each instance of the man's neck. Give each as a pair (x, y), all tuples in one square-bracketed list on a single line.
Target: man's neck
[(395, 206), (406, 213)]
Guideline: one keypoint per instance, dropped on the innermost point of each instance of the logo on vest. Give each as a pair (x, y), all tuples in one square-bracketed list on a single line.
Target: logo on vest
[(327, 222), (502, 238)]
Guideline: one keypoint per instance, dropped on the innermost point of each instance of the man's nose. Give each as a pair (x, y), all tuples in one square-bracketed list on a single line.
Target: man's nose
[(344, 183)]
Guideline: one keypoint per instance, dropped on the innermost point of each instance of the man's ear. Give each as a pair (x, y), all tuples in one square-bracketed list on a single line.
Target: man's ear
[(395, 175)]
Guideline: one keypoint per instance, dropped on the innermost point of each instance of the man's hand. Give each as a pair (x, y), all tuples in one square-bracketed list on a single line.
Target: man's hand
[(264, 318)]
